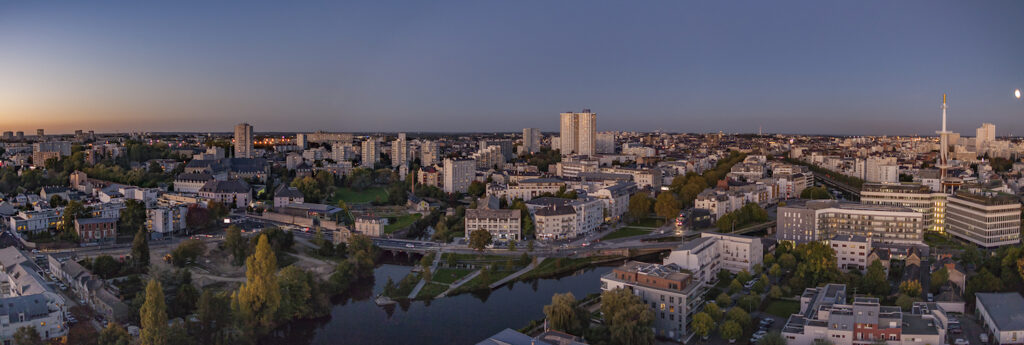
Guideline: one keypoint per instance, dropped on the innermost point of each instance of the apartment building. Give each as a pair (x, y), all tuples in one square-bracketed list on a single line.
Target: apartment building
[(852, 252), (531, 188), (713, 252), (669, 291), (96, 230), (28, 299), (818, 220), (587, 216), (826, 316), (370, 226), (232, 193), (164, 221), (504, 225), (458, 175), (985, 218)]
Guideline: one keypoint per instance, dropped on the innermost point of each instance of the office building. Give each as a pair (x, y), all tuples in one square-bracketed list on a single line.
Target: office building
[(371, 153), (668, 290), (915, 196), (819, 220), (243, 141), (531, 140), (458, 174), (985, 218), (578, 134)]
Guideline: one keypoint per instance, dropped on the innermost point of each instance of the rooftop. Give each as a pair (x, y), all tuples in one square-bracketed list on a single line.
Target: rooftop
[(1004, 309)]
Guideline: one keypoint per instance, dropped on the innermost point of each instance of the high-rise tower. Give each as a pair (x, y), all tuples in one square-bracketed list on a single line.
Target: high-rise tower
[(243, 141)]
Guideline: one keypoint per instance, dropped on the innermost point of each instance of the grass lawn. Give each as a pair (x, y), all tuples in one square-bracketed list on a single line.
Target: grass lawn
[(353, 197), (625, 232), (782, 308), (648, 223), (449, 275), (431, 290), (553, 266), (402, 222)]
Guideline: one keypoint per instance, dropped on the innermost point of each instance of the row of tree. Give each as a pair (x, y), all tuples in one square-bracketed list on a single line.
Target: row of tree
[(627, 319)]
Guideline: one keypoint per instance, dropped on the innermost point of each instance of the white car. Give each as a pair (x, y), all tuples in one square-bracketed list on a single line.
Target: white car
[(961, 341), (409, 245)]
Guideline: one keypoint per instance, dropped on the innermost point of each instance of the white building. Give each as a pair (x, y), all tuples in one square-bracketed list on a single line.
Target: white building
[(164, 221), (243, 141), (531, 140), (458, 175), (399, 151), (713, 252), (819, 220), (531, 188), (28, 299), (851, 252), (579, 133), (1001, 315), (559, 218), (428, 153), (371, 153), (668, 290)]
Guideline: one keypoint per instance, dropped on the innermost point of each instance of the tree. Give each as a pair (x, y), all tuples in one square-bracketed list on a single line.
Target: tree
[(133, 217), (788, 261), (939, 278), (564, 315), (197, 217), (187, 252), (971, 255), (628, 319), (477, 189), (140, 249), (730, 330), (114, 334), (749, 302), (214, 313), (905, 302), (815, 193), (259, 297), (185, 299), (153, 315), (744, 276), (723, 300), (739, 315), (480, 239), (775, 292), (773, 338), (713, 311), (296, 287), (875, 280), (775, 270), (769, 259), (703, 324), (235, 245), (639, 205), (105, 266), (911, 288), (667, 205), (27, 335), (984, 281), (512, 245), (735, 286)]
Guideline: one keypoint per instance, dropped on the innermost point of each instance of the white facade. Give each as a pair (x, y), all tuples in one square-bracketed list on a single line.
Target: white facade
[(164, 221), (987, 219), (851, 252), (531, 140), (458, 175), (371, 153), (716, 251), (579, 133), (428, 153), (399, 151)]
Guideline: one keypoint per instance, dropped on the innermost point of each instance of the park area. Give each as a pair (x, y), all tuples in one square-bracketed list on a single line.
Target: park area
[(401, 222), (628, 231)]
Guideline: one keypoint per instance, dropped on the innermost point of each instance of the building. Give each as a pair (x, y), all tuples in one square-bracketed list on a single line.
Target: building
[(505, 147), (852, 252), (399, 151), (96, 230), (43, 151), (825, 315), (504, 225), (371, 153), (985, 218), (984, 136), (561, 218), (303, 139), (509, 336), (231, 193), (458, 175), (243, 141), (164, 221), (285, 195), (191, 182), (28, 299), (531, 140), (578, 133), (668, 290), (36, 221), (606, 142), (713, 252), (488, 157), (370, 226), (912, 195), (531, 188), (818, 220), (616, 199), (1000, 314), (429, 176), (428, 153)]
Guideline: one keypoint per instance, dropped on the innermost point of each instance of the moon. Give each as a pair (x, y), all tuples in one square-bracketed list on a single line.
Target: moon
[(1016, 93)]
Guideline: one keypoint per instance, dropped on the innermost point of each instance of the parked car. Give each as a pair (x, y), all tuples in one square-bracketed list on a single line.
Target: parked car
[(960, 341), (984, 338)]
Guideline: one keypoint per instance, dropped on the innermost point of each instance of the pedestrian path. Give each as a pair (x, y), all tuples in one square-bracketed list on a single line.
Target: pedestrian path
[(518, 273), (459, 283), (423, 282)]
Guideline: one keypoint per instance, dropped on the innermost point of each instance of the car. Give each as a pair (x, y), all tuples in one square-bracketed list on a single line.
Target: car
[(760, 333), (960, 341), (767, 321), (410, 245), (931, 298), (585, 244), (750, 284), (956, 330), (983, 337), (81, 301)]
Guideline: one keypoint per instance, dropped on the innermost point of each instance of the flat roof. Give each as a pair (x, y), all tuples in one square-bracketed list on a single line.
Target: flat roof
[(1004, 309)]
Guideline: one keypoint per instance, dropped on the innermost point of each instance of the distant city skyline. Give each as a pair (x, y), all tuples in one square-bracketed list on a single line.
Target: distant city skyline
[(852, 68)]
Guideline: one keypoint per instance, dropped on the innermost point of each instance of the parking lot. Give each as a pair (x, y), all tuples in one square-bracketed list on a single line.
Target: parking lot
[(970, 331)]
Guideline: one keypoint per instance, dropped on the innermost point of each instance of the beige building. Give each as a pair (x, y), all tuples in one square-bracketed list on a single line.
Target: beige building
[(818, 220), (985, 218), (915, 196), (852, 252), (243, 141), (504, 225), (370, 226), (578, 133)]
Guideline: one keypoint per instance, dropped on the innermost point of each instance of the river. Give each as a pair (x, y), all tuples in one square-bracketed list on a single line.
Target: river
[(461, 319)]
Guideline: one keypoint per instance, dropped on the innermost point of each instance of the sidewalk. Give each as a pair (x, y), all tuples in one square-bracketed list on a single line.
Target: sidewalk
[(518, 273), (423, 282)]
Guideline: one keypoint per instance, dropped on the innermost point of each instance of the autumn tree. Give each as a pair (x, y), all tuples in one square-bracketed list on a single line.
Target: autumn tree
[(235, 245), (258, 299), (639, 205), (703, 324), (140, 249), (480, 239), (667, 205), (730, 330), (114, 334), (153, 316)]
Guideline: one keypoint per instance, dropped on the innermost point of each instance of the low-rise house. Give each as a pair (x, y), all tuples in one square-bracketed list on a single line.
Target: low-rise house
[(285, 195), (28, 300), (370, 226), (504, 225)]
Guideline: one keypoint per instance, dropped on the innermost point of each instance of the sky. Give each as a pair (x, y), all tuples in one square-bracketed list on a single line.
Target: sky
[(814, 67)]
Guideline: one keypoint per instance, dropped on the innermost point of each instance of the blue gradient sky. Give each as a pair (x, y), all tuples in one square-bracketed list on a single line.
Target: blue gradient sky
[(850, 67)]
